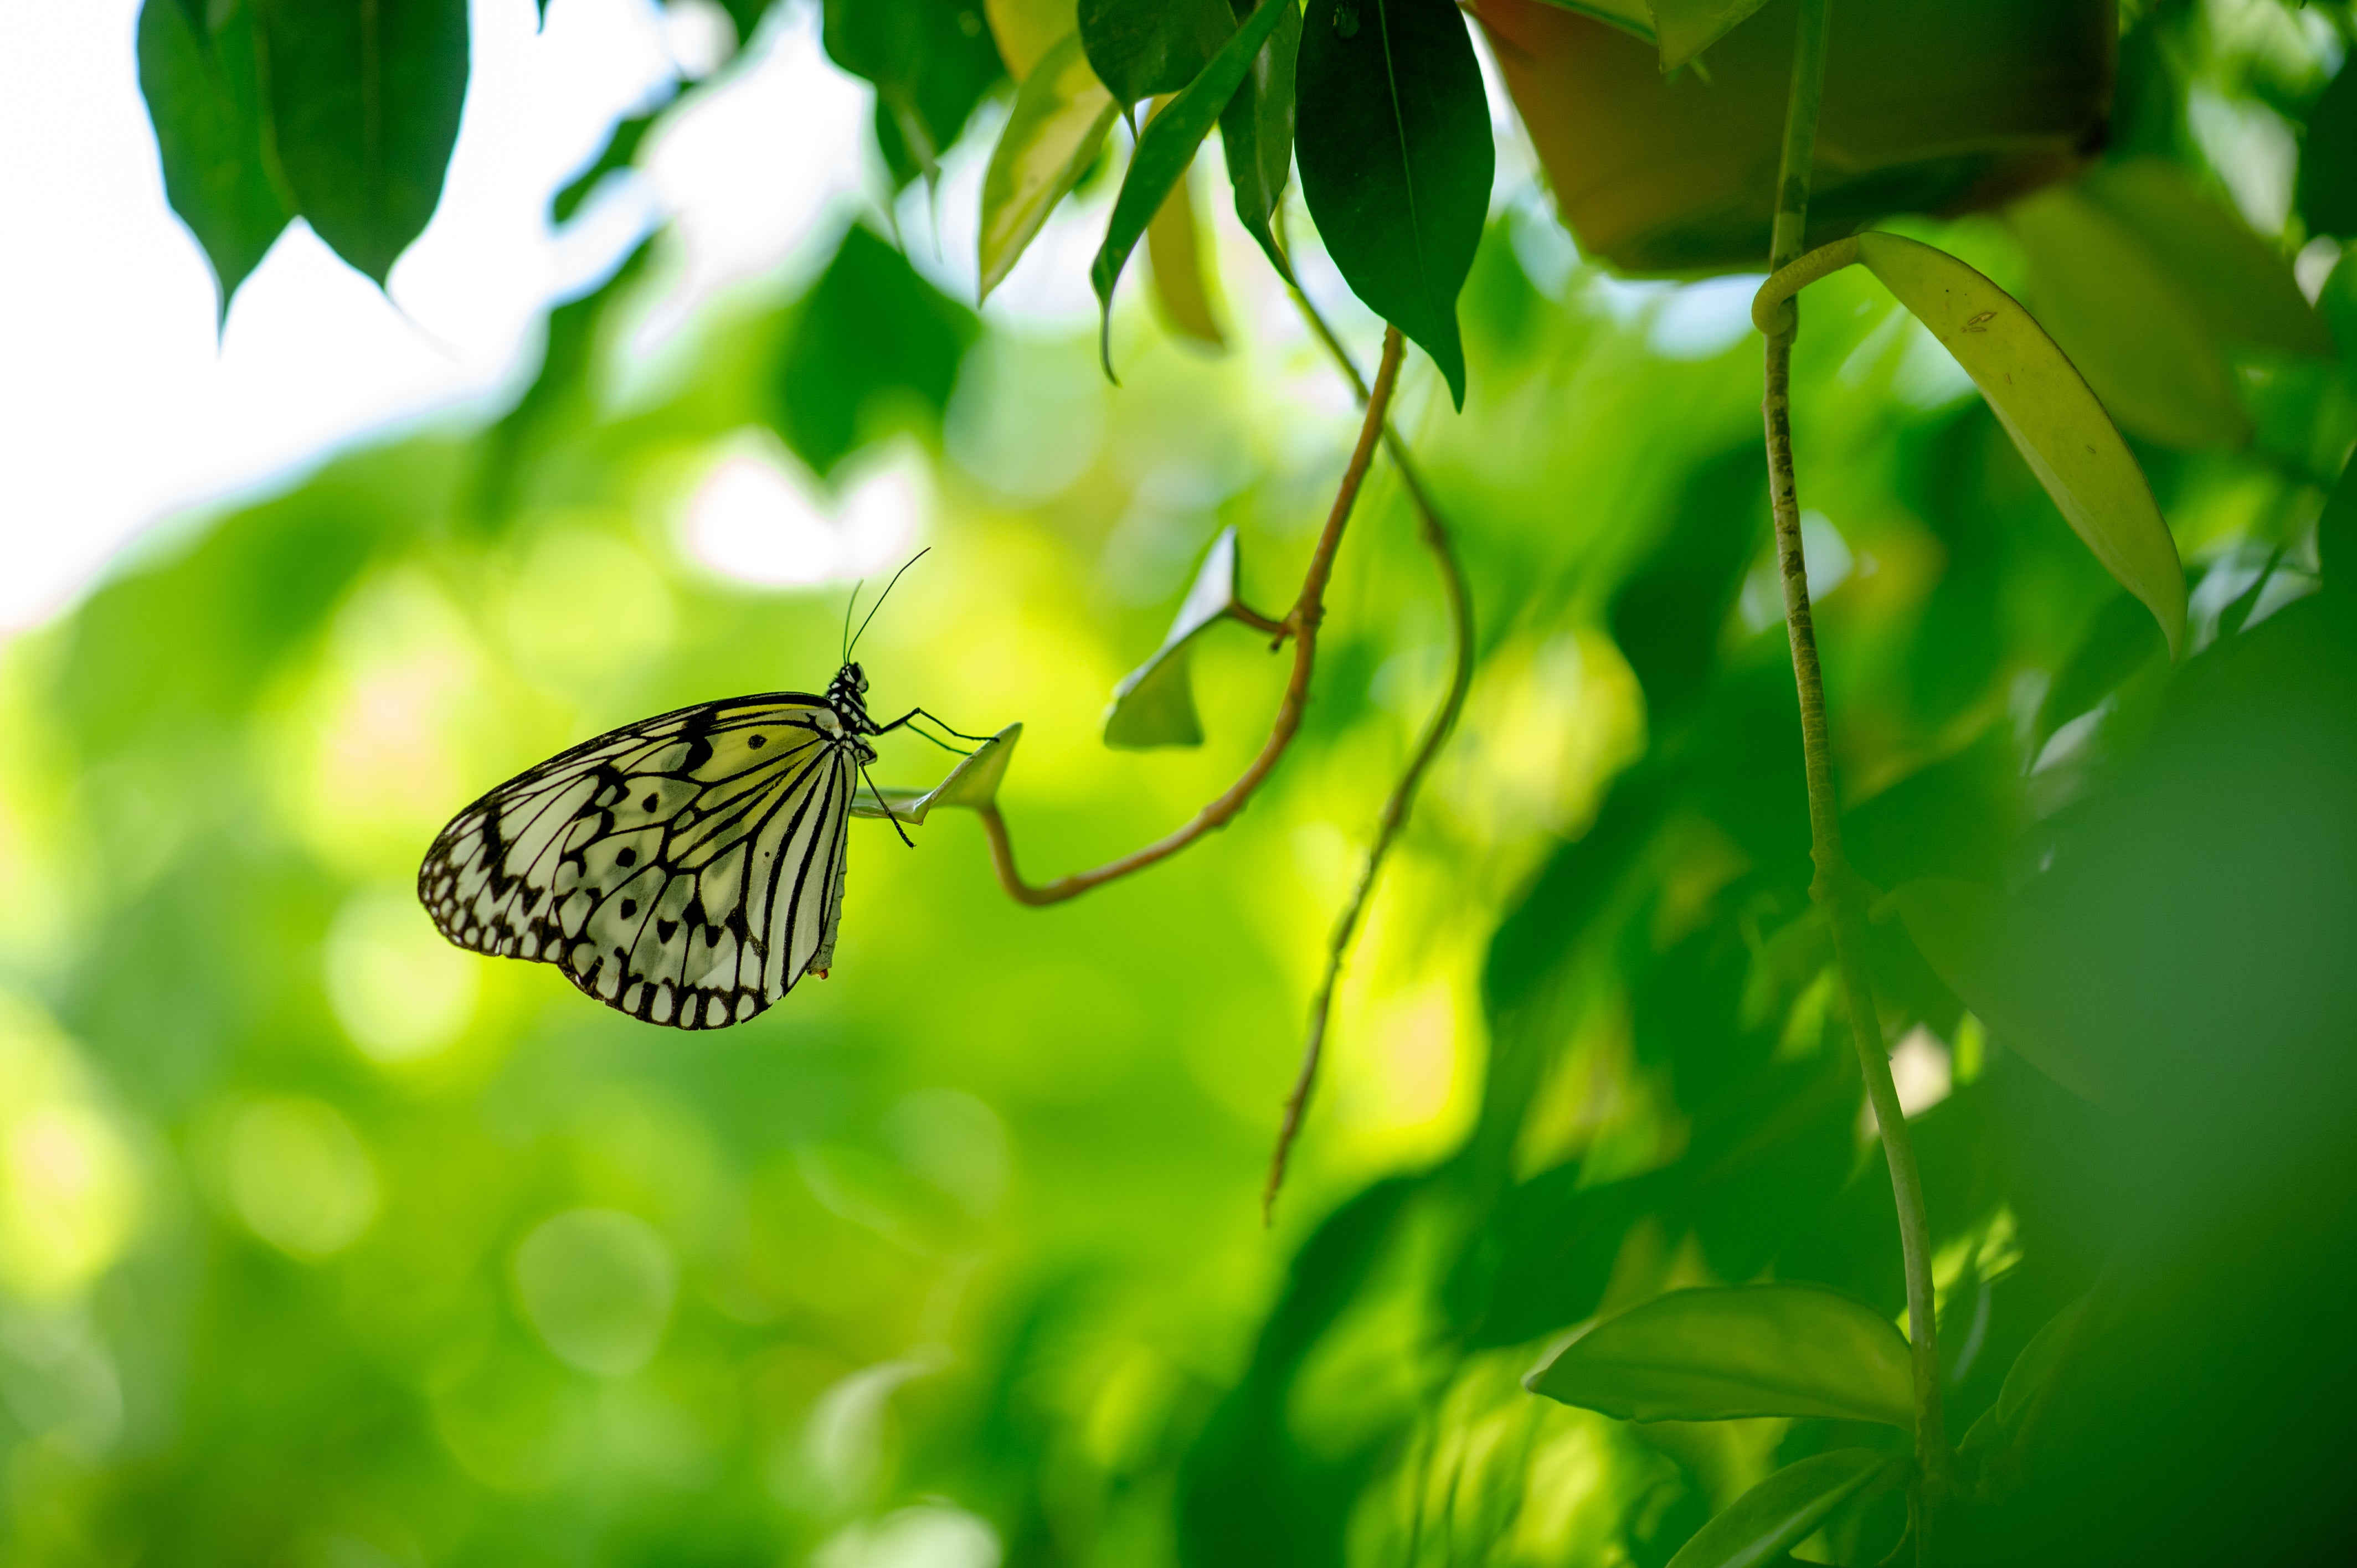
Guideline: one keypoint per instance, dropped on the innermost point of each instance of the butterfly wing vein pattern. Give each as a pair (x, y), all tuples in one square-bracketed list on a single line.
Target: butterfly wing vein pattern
[(687, 869)]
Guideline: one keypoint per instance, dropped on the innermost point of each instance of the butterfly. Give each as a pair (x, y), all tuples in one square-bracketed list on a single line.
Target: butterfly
[(687, 869)]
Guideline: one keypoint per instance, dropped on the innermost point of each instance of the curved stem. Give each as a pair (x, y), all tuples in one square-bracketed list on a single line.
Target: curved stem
[(1403, 795), (1302, 622), (1833, 886)]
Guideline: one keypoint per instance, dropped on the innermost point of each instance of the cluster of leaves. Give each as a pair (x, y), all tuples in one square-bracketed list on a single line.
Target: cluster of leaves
[(2119, 878)]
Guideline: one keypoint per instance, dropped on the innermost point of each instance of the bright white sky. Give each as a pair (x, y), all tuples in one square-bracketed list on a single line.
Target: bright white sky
[(118, 408)]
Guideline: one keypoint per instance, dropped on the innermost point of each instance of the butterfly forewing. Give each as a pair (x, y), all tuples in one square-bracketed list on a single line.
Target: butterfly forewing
[(687, 869)]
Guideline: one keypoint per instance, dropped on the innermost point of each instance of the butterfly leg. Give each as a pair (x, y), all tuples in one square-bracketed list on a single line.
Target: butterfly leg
[(920, 713), (888, 811)]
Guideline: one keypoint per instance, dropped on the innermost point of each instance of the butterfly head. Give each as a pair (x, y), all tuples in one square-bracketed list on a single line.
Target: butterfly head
[(847, 694)]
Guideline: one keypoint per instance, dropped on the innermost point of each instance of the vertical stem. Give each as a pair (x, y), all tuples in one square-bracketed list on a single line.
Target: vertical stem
[(1831, 887)]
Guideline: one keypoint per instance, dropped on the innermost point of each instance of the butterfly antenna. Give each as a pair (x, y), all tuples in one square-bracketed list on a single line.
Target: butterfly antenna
[(879, 604), (852, 605)]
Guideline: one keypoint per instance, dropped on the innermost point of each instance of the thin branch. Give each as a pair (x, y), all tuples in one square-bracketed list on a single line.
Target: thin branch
[(1302, 622), (1834, 885), (1403, 795)]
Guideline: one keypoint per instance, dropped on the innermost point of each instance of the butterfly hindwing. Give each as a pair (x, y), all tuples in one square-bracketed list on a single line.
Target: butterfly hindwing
[(687, 869)]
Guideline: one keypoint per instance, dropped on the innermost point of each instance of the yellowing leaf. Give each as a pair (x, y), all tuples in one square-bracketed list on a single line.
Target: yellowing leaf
[(2045, 405), (1060, 120), (973, 783), (1024, 30), (1746, 1350), (1785, 1510), (1154, 704)]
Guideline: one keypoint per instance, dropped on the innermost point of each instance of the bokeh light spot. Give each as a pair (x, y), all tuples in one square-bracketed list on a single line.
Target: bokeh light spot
[(401, 992), (299, 1177), (598, 1285)]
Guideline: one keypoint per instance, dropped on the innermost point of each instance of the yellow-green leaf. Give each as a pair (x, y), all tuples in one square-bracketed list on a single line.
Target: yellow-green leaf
[(2241, 285), (1686, 27), (2045, 405), (1154, 704), (1785, 1510), (1060, 117), (1024, 30), (2129, 327), (1745, 1350), (973, 783), (1182, 270)]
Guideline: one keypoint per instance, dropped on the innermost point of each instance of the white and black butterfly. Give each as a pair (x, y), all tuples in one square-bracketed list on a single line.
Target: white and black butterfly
[(687, 869)]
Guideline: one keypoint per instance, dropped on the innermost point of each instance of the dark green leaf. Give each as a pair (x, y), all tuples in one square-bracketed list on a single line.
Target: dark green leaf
[(206, 106), (1165, 149), (2030, 1371), (1785, 1510), (2122, 640), (365, 101), (1745, 1350), (1154, 704), (747, 16), (2336, 531), (1256, 133), (870, 332), (2241, 285), (2025, 976), (2327, 193), (1397, 158), (929, 61), (1140, 48), (621, 147)]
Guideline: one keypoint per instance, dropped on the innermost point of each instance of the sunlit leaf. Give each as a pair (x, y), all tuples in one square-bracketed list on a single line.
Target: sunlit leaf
[(204, 98), (2060, 428), (1057, 128), (1397, 158), (1154, 704), (1181, 269), (2128, 327), (365, 101), (1027, 30), (1141, 48), (1686, 27), (973, 783), (1256, 133), (1745, 1350), (2023, 976), (1785, 1510), (1165, 149), (2241, 286)]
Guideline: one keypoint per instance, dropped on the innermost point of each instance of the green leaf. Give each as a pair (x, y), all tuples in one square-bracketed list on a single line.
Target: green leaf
[(1141, 48), (1633, 17), (2128, 326), (1061, 116), (2028, 1374), (2061, 429), (1256, 133), (207, 109), (2326, 195), (621, 148), (365, 101), (1785, 1510), (2239, 285), (2022, 974), (970, 785), (1165, 149), (1396, 159), (930, 62), (1742, 1350), (1686, 27), (1154, 704), (872, 341)]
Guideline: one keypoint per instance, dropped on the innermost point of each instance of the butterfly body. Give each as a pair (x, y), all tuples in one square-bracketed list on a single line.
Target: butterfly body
[(687, 869)]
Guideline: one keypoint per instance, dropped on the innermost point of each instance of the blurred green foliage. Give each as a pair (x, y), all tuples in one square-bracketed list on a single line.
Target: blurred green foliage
[(324, 1244)]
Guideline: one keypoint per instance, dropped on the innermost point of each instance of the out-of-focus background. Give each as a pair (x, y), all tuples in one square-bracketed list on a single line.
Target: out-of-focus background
[(322, 1242)]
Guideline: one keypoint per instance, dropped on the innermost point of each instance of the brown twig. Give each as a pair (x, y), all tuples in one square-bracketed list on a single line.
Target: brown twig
[(1403, 795), (1301, 623)]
